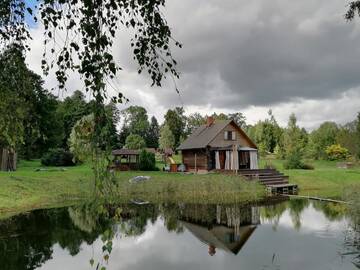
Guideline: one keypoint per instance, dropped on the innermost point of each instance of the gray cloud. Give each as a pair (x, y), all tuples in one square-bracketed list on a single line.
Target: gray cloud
[(250, 56)]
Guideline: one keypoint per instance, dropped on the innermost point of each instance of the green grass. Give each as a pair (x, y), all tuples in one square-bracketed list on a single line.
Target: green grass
[(27, 189), (326, 180)]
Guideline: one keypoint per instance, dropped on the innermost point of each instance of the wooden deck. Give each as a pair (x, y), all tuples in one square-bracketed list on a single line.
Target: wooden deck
[(282, 189)]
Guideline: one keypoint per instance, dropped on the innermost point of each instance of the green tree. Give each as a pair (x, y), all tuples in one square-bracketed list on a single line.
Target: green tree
[(267, 132), (294, 143), (153, 134), (134, 141), (321, 138), (220, 116), (81, 137), (167, 139), (147, 161), (91, 28), (136, 120), (239, 119), (357, 138), (13, 106), (71, 110), (176, 121), (347, 137), (193, 121), (113, 118)]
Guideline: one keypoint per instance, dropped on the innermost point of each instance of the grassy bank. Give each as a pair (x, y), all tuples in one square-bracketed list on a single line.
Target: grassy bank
[(27, 189), (326, 180)]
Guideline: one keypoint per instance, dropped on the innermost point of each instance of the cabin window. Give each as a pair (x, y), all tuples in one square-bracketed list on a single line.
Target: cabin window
[(229, 135)]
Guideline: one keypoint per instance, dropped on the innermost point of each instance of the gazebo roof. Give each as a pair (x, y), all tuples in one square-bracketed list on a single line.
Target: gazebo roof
[(125, 152)]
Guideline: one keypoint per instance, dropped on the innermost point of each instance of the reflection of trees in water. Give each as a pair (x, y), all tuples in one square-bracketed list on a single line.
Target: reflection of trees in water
[(26, 241), (296, 206), (332, 211), (272, 213)]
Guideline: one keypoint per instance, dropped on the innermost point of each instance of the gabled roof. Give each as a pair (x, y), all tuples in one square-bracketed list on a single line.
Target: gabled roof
[(204, 134)]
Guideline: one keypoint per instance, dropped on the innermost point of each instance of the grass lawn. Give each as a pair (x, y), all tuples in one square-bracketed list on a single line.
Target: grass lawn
[(27, 189), (326, 180)]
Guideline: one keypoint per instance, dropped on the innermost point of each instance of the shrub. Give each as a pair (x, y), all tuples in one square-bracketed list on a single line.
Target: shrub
[(293, 161), (336, 152), (147, 161), (307, 167), (57, 157)]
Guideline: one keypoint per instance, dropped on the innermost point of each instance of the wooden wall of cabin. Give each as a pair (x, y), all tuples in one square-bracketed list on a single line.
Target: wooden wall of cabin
[(188, 158), (219, 140)]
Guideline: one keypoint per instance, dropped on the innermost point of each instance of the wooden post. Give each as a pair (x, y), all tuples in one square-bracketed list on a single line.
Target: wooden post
[(195, 164)]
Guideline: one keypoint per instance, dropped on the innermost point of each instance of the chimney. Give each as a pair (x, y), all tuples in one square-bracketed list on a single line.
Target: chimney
[(209, 121)]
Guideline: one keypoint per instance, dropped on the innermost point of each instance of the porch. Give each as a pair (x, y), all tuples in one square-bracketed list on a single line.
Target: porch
[(233, 158)]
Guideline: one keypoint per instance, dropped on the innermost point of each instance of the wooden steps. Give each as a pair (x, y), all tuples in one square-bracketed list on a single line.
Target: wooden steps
[(275, 181)]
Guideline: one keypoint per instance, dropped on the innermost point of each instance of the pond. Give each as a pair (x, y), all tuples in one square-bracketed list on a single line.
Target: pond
[(277, 234)]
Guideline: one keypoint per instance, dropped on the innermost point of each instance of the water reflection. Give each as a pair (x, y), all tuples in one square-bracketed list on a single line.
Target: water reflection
[(292, 234)]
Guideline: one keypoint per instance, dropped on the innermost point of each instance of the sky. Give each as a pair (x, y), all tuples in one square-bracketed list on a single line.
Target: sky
[(297, 57)]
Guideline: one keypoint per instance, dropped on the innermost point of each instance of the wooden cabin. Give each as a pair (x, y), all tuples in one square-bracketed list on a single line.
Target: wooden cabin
[(219, 145)]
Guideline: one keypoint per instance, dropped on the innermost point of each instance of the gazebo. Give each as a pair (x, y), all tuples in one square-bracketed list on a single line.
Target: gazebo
[(128, 159)]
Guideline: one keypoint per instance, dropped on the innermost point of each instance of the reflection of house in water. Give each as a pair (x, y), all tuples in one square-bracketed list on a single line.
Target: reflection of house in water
[(224, 227)]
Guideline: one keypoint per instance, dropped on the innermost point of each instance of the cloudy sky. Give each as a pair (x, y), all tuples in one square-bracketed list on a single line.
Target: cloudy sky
[(249, 56)]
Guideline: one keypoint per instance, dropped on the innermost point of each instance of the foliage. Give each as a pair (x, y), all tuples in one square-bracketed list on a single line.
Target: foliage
[(357, 138), (267, 133), (71, 110), (336, 152), (58, 157), (176, 121), (167, 139), (262, 149), (147, 161), (279, 152), (321, 138), (90, 28), (348, 138), (220, 116), (295, 139), (134, 141), (135, 120), (153, 134), (354, 8), (193, 121), (13, 106), (81, 138), (293, 161), (239, 118), (307, 166)]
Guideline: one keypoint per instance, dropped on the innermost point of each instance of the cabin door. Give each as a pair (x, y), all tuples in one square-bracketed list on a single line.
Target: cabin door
[(222, 159), (244, 160)]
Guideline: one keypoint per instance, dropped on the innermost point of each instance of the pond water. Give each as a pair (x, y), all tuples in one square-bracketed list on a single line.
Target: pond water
[(286, 234)]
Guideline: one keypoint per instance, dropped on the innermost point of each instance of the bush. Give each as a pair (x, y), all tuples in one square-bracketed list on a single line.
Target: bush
[(147, 161), (57, 157), (293, 161), (336, 152), (307, 167)]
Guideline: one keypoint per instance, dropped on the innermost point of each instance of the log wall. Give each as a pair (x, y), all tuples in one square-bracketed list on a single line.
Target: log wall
[(188, 157)]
